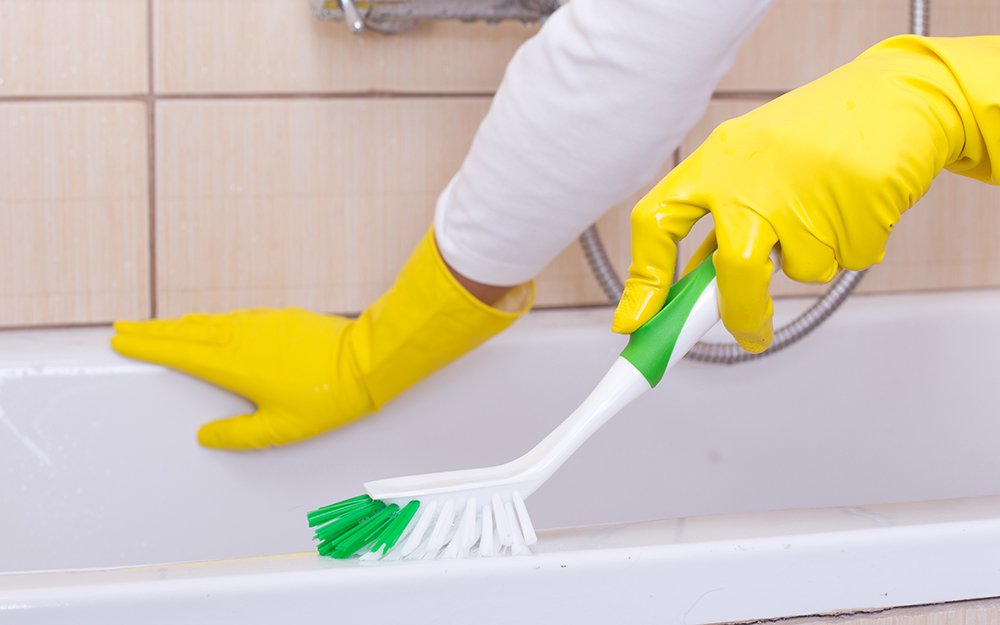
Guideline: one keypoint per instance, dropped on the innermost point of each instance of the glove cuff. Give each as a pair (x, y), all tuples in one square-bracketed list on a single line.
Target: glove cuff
[(424, 322)]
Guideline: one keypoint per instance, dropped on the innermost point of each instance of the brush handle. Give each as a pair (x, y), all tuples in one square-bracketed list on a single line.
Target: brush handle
[(692, 308)]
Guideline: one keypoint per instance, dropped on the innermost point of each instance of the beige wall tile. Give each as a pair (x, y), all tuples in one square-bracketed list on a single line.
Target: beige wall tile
[(964, 18), (209, 46), (313, 203), (73, 213), (947, 240), (567, 281), (800, 40), (72, 47), (316, 203)]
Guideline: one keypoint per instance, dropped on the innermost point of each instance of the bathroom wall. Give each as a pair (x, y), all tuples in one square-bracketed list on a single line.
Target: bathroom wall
[(165, 156)]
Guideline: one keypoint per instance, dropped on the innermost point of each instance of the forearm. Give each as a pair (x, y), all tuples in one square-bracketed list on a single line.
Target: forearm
[(588, 111)]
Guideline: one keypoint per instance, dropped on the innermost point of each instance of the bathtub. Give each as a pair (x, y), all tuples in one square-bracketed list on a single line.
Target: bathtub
[(854, 472)]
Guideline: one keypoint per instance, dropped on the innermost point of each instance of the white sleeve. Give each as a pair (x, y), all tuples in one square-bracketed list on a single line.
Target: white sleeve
[(587, 112)]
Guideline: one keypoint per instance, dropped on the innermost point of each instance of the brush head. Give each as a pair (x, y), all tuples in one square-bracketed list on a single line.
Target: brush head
[(459, 510), (349, 526), (446, 515), (437, 528)]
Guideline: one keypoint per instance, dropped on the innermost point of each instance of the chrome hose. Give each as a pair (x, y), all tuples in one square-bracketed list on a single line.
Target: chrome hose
[(726, 353), (600, 265), (730, 353), (920, 17)]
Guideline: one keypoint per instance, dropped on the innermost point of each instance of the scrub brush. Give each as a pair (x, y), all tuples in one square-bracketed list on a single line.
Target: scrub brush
[(444, 515)]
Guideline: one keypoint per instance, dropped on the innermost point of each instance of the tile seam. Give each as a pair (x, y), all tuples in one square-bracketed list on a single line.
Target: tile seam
[(151, 150), (138, 97), (323, 95), (737, 94), (317, 95), (67, 325)]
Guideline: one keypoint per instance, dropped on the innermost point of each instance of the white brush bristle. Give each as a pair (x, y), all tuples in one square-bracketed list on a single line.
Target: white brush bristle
[(441, 531), (425, 515), (527, 529), (503, 528), (486, 534)]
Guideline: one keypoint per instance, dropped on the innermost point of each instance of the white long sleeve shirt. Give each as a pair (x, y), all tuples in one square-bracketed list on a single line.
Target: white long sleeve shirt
[(587, 112)]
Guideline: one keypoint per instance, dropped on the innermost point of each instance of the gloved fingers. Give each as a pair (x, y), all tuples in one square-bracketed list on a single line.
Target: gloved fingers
[(657, 225), (212, 362), (261, 429), (744, 276), (198, 328), (804, 258), (198, 344), (708, 246), (247, 431)]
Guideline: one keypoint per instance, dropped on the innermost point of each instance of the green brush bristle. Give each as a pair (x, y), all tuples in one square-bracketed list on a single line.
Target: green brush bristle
[(353, 524), (364, 533), (394, 529), (324, 514), (348, 521)]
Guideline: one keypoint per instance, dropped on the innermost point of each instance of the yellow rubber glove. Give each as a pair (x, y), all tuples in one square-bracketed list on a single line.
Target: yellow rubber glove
[(309, 373), (826, 170)]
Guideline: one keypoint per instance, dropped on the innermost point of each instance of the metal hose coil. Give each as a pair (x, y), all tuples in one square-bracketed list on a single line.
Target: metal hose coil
[(600, 265), (920, 17), (726, 353), (730, 353)]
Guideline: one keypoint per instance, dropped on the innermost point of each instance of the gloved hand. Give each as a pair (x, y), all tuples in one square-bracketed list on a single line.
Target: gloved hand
[(309, 373), (826, 170)]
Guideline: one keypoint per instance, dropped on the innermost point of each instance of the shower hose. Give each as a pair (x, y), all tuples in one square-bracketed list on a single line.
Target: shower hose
[(725, 353)]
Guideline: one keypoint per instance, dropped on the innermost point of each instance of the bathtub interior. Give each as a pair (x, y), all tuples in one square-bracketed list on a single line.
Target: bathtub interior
[(893, 400)]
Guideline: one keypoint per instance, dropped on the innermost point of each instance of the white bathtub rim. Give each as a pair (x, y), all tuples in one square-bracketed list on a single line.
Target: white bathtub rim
[(673, 533), (33, 347), (702, 570), (755, 566)]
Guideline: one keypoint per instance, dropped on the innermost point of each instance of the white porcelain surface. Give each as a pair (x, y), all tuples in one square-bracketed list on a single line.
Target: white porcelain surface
[(892, 401)]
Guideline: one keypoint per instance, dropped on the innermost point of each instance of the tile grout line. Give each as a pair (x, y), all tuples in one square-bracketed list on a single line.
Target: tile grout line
[(68, 325), (151, 152), (737, 94), (124, 97), (249, 95), (323, 95), (151, 95)]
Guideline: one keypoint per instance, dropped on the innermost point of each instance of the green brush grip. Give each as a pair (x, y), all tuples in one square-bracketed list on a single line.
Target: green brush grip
[(650, 347)]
